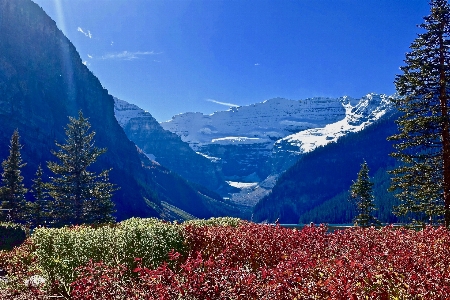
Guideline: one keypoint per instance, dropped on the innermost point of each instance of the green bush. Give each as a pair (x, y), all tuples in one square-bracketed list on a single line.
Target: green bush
[(221, 221), (11, 235), (61, 250)]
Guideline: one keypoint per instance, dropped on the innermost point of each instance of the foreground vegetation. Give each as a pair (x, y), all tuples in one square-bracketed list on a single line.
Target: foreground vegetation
[(227, 258)]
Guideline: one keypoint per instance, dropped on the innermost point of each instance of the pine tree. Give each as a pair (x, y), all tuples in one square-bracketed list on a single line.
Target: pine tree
[(77, 191), (41, 208), (361, 194), (422, 182), (101, 209), (13, 190)]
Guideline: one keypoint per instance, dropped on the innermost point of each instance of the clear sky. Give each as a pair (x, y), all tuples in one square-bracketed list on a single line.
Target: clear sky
[(174, 56)]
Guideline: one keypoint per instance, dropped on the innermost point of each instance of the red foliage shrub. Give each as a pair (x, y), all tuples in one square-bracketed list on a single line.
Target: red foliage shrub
[(269, 262), (20, 265)]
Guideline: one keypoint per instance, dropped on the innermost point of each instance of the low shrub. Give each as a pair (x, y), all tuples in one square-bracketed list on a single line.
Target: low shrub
[(61, 250), (19, 264), (12, 235), (151, 259), (220, 221)]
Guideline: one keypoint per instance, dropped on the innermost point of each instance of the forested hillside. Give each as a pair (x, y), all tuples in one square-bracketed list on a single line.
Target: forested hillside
[(316, 188)]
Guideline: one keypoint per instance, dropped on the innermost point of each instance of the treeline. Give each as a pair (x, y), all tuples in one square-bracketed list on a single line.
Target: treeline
[(73, 195), (316, 188), (338, 210)]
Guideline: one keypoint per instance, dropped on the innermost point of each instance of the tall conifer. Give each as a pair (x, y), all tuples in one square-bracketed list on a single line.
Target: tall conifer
[(13, 190), (361, 194), (422, 182), (41, 208), (77, 191)]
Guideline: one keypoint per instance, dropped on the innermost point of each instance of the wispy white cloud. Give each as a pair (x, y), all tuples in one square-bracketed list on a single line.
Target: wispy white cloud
[(88, 33), (257, 64), (222, 103), (129, 55), (90, 56)]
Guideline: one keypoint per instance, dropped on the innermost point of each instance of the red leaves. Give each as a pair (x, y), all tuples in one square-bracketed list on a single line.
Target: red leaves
[(173, 255), (270, 262)]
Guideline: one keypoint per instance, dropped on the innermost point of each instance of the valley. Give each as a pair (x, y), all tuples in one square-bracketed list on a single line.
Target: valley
[(250, 146)]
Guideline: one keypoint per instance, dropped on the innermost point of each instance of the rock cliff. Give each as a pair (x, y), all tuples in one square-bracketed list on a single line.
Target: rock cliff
[(167, 148)]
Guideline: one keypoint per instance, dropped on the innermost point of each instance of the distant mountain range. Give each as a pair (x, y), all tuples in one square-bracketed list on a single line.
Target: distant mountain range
[(254, 144)]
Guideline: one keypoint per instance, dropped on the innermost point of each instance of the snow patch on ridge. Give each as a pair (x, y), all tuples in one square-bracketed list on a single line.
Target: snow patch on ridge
[(242, 185), (369, 109), (238, 140), (211, 158), (151, 157)]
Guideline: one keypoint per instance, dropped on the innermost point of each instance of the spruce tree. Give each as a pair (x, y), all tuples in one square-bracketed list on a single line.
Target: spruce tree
[(41, 208), (361, 194), (13, 190), (422, 182), (100, 209), (77, 191)]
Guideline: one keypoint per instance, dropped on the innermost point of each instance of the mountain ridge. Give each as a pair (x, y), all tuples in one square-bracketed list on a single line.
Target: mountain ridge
[(165, 147)]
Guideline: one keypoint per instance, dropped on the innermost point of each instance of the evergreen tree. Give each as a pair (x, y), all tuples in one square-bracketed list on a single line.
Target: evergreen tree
[(76, 190), (41, 208), (100, 209), (422, 182), (13, 190), (361, 194)]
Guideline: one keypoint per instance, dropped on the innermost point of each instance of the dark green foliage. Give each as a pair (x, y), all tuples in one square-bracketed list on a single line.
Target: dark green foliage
[(100, 208), (320, 179), (41, 208), (13, 190), (362, 195), (422, 181), (338, 210), (81, 196), (11, 235)]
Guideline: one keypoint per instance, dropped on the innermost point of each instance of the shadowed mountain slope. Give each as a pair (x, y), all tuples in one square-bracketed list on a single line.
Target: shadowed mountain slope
[(42, 82), (315, 188)]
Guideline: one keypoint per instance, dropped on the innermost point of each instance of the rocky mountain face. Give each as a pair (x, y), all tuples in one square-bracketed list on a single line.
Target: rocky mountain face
[(256, 143), (167, 148), (256, 140), (42, 82)]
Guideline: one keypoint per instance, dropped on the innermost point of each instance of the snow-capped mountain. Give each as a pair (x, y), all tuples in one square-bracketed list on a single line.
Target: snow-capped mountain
[(259, 123), (366, 110), (248, 140), (255, 143)]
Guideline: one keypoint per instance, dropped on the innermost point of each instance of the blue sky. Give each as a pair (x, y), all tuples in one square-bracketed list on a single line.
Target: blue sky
[(170, 57)]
